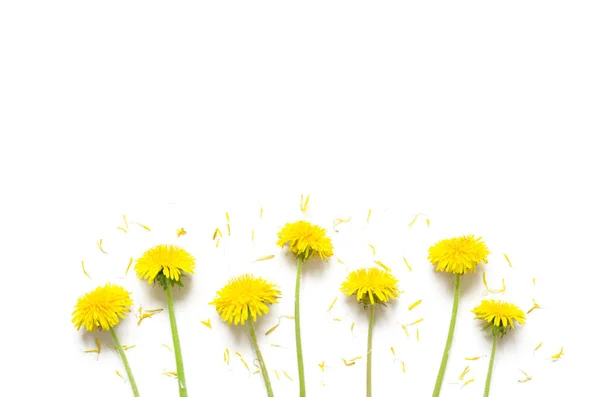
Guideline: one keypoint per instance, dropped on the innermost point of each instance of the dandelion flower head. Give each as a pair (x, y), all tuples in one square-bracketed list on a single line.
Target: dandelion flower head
[(305, 240), (245, 296), (500, 314), (102, 308), (458, 255), (165, 262), (371, 285)]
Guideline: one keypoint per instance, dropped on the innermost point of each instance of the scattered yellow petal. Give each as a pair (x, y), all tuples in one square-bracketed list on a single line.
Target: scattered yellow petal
[(403, 367), (92, 351), (387, 269), (493, 291), (126, 223), (466, 371), (217, 232), (322, 366), (168, 347), (84, 271), (372, 248), (243, 361), (527, 377), (276, 373), (337, 319), (393, 351), (369, 215), (472, 358), (142, 315), (272, 329), (227, 217), (252, 234), (217, 244), (99, 244), (559, 354), (427, 220), (119, 374), (304, 203), (265, 258), (467, 382), (275, 345), (332, 303), (405, 330), (261, 213), (228, 230), (339, 221), (355, 358), (413, 220), (226, 356), (533, 280), (537, 347), (98, 344), (416, 322), (352, 328), (207, 323), (407, 265), (170, 373), (418, 339), (127, 347), (348, 363), (128, 266), (120, 228), (508, 260), (288, 317), (286, 374), (535, 306), (144, 226), (417, 303), (181, 232), (154, 311)]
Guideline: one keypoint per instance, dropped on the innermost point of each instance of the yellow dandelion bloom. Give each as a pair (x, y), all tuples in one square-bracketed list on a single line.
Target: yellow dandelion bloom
[(458, 255), (102, 308), (305, 240), (169, 260), (500, 314), (245, 296), (371, 285)]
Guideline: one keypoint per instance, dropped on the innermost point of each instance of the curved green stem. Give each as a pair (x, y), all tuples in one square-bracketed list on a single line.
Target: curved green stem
[(488, 380), (442, 371), (134, 388), (370, 347), (297, 326), (263, 367), (176, 345)]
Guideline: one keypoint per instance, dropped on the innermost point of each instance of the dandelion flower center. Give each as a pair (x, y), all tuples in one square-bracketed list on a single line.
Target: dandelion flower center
[(245, 296), (168, 260), (305, 240), (458, 255), (102, 307), (500, 314), (371, 285)]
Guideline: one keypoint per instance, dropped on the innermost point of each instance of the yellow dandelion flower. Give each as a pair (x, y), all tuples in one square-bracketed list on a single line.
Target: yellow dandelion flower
[(305, 240), (500, 314), (371, 285), (458, 255), (164, 262), (102, 308), (245, 296)]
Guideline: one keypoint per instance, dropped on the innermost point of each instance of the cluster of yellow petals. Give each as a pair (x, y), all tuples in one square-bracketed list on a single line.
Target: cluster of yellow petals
[(245, 296), (458, 255), (102, 308), (305, 240), (378, 285), (171, 260), (499, 313)]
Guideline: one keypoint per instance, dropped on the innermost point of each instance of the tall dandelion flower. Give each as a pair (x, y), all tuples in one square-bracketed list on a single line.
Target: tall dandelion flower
[(372, 287), (103, 309), (304, 240), (166, 265), (244, 299), (499, 317), (458, 256)]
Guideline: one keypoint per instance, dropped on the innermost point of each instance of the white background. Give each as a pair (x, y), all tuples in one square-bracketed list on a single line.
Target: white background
[(481, 115)]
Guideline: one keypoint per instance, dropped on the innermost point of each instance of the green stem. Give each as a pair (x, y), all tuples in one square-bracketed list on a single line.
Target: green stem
[(370, 347), (134, 388), (442, 371), (297, 325), (176, 345), (488, 380), (263, 367)]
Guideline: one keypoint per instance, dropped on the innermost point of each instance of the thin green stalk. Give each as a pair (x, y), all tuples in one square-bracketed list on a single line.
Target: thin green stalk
[(176, 345), (297, 324), (442, 371), (488, 380), (261, 361), (370, 347), (134, 388)]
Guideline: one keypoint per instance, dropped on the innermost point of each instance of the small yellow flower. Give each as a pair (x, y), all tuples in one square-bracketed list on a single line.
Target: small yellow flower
[(305, 240), (245, 296), (500, 314), (169, 260), (102, 307), (380, 286), (458, 255)]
